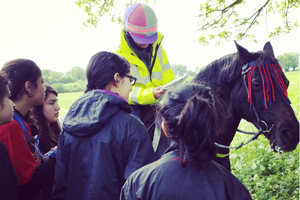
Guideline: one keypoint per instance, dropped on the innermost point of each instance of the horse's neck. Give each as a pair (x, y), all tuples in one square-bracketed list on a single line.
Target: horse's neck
[(222, 75), (233, 121), (230, 130)]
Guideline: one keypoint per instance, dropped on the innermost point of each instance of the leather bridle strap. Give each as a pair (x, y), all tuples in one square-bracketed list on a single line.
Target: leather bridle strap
[(245, 71)]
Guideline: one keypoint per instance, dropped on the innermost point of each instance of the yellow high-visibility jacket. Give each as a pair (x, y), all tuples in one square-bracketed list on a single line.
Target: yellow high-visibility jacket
[(161, 73)]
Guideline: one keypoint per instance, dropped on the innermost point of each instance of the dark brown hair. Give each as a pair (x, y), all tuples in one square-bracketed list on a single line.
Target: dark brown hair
[(18, 72), (48, 135), (102, 68), (193, 118), (3, 87)]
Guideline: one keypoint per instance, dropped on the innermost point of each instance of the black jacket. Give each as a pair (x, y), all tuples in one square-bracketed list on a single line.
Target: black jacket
[(9, 182), (100, 146), (167, 179)]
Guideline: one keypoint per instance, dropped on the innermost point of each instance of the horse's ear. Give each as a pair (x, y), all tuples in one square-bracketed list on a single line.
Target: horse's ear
[(244, 54), (268, 47)]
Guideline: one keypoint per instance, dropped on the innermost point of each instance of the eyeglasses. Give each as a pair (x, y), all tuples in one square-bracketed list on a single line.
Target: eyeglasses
[(132, 79)]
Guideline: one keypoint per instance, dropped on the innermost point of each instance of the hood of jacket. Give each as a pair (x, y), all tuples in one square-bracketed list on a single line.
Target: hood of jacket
[(91, 112)]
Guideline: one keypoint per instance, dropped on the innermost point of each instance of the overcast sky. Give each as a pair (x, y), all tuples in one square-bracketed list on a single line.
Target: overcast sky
[(50, 32)]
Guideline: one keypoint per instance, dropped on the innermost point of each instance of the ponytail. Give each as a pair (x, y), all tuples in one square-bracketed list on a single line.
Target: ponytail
[(196, 129), (192, 121)]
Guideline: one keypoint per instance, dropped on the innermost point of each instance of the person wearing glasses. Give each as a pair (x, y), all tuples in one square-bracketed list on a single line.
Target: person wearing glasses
[(101, 143), (141, 45)]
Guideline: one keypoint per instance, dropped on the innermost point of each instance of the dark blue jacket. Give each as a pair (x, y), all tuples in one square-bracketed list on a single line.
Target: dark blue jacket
[(100, 146), (167, 179)]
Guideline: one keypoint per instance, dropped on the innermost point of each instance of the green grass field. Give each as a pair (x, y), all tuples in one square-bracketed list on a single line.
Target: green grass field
[(266, 174), (65, 100), (293, 90)]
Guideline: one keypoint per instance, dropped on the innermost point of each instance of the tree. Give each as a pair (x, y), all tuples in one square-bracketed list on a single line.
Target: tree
[(225, 22), (219, 20), (179, 70), (60, 88), (289, 61), (66, 79), (77, 73), (46, 72), (51, 77), (191, 73)]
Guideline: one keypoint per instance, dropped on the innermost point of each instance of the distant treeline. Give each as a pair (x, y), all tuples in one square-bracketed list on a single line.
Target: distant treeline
[(72, 81), (75, 79)]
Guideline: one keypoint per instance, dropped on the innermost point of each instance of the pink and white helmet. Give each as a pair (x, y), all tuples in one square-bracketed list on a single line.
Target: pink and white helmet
[(141, 23)]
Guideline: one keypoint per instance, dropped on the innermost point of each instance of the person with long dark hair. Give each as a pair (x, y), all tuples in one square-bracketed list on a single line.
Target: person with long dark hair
[(45, 119), (101, 143), (9, 183), (190, 117), (45, 127), (27, 90)]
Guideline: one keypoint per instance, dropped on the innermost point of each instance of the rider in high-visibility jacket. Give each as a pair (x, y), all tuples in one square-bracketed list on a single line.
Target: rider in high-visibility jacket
[(141, 46), (161, 73)]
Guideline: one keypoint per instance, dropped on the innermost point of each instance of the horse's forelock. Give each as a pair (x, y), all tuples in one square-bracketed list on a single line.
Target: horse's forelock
[(264, 55), (266, 71)]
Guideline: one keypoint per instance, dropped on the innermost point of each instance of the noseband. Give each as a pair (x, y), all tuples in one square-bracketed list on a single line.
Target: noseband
[(266, 130)]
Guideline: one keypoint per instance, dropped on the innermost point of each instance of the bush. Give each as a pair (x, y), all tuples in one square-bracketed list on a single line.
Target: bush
[(60, 88), (266, 174), (66, 79)]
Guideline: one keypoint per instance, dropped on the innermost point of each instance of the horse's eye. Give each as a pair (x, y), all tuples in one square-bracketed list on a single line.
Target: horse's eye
[(256, 85), (287, 83)]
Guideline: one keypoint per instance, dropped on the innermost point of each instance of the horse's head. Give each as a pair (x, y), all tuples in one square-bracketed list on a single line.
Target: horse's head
[(261, 98)]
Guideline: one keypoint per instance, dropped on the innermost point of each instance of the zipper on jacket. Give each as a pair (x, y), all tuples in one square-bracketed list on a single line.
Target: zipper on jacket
[(154, 58)]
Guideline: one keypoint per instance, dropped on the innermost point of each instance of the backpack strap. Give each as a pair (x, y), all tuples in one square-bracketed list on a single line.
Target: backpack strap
[(19, 119)]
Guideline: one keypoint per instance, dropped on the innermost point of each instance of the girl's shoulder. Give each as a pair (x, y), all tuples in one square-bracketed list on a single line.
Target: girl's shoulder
[(10, 127), (13, 128)]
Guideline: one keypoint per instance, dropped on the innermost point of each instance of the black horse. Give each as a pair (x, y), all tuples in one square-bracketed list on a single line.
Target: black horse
[(253, 87)]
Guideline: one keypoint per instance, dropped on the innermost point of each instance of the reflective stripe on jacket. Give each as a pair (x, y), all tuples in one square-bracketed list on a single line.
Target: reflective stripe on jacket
[(161, 73)]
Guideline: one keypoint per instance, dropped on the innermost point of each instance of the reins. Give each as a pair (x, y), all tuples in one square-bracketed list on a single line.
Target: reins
[(245, 71)]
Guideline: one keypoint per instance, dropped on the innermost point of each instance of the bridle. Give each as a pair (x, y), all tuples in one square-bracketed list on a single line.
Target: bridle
[(266, 130)]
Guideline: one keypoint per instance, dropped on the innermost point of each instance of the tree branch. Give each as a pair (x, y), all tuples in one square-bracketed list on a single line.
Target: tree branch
[(286, 15), (257, 13)]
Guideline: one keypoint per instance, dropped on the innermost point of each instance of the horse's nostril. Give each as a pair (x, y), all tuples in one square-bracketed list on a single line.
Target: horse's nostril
[(286, 133), (289, 135)]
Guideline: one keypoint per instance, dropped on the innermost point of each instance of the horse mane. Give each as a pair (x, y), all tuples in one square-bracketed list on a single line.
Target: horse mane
[(226, 69), (220, 71)]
